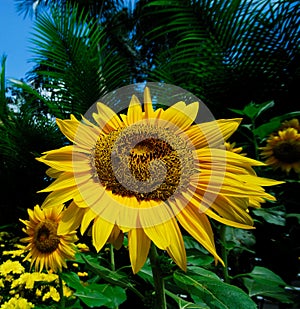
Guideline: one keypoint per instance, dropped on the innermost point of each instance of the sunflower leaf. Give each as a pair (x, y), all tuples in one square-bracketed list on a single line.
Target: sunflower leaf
[(72, 280), (96, 295), (205, 287), (262, 281), (274, 215), (184, 304)]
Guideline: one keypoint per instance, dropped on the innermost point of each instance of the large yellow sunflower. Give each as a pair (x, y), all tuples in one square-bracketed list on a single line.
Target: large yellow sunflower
[(148, 172), (46, 248), (283, 150)]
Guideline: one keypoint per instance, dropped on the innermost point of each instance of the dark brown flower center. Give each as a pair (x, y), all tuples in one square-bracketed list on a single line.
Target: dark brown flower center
[(45, 237), (144, 161), (287, 151)]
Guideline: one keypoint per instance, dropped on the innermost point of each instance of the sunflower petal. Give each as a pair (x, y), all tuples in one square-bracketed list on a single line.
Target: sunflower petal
[(134, 113), (70, 220), (198, 226), (138, 245), (101, 230), (180, 115), (212, 133), (106, 118)]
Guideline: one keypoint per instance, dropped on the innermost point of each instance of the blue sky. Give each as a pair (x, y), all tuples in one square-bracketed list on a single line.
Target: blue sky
[(14, 40)]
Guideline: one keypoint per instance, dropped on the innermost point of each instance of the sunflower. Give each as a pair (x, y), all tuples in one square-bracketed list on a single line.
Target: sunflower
[(283, 150), (293, 123), (46, 248), (148, 172)]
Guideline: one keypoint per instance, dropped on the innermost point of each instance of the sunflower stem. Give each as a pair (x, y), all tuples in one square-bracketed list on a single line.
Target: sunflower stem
[(224, 253), (112, 258), (112, 262), (61, 293), (159, 284)]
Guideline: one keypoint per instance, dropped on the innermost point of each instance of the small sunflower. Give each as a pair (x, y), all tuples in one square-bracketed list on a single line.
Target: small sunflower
[(46, 248), (293, 123), (148, 172), (283, 150)]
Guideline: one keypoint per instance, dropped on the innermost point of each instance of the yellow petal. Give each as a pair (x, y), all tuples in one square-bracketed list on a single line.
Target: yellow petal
[(70, 220), (149, 112), (65, 180), (88, 216), (60, 197), (212, 133), (225, 221), (53, 173), (100, 231), (180, 115), (106, 118), (138, 245), (134, 113), (77, 132), (176, 250), (198, 226), (66, 159)]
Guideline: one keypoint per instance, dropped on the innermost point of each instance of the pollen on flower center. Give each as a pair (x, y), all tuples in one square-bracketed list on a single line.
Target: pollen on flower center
[(144, 161), (287, 152), (45, 236)]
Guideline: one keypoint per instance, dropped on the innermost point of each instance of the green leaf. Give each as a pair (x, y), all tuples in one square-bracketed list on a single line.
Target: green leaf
[(114, 277), (110, 276), (205, 287), (72, 280), (96, 295), (238, 239), (267, 128), (262, 281), (146, 273), (196, 254), (253, 110), (274, 215), (198, 258), (92, 298), (92, 257), (183, 304)]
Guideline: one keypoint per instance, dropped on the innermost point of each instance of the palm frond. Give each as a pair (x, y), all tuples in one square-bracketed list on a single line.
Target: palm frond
[(226, 50), (74, 59)]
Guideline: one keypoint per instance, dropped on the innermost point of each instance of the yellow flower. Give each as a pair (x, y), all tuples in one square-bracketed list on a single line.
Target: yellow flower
[(82, 247), (10, 266), (14, 253), (283, 150), (52, 293), (293, 123), (67, 292), (17, 303), (148, 171), (29, 279), (46, 248)]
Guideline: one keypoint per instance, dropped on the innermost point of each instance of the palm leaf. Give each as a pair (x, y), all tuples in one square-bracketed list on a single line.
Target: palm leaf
[(226, 50), (74, 60)]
